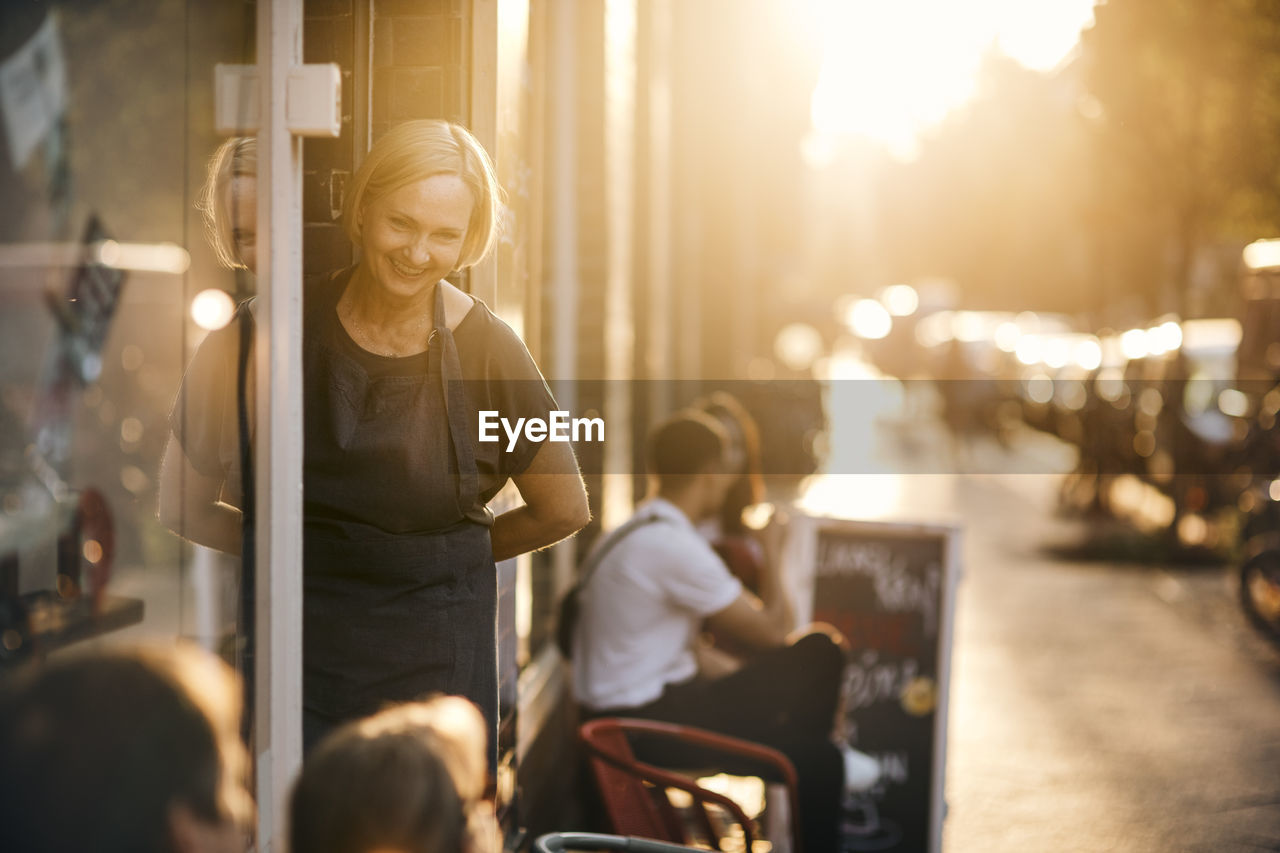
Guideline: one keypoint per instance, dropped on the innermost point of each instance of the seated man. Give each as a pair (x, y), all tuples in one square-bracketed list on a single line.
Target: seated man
[(123, 752), (409, 779), (653, 583)]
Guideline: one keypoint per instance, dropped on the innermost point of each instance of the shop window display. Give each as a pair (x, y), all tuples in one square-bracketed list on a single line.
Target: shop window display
[(101, 253)]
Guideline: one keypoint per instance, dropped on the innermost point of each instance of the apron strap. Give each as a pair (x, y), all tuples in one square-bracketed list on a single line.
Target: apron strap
[(455, 403)]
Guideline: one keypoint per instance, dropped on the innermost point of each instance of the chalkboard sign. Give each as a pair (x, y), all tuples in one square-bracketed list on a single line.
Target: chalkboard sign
[(890, 589)]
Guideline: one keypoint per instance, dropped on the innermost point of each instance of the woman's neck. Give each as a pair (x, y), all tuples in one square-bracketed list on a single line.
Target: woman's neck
[(383, 323), (372, 304)]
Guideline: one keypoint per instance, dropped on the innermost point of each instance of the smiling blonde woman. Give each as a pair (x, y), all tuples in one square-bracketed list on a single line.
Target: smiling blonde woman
[(400, 584)]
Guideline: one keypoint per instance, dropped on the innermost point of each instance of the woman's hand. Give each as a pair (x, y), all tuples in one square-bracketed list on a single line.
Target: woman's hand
[(555, 504), (189, 504), (772, 537), (773, 590)]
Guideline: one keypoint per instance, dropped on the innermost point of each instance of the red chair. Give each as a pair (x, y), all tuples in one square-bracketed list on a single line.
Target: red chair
[(635, 793)]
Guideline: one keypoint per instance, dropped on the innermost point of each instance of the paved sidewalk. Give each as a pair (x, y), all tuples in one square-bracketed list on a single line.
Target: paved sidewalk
[(1101, 706)]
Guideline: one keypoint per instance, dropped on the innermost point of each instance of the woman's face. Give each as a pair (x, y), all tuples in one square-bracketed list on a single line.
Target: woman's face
[(735, 452), (242, 208), (412, 237)]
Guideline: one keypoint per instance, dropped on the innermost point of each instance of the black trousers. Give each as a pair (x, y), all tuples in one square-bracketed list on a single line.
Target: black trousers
[(784, 698)]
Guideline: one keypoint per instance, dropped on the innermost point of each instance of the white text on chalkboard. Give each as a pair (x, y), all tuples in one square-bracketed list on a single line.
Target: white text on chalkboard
[(895, 585)]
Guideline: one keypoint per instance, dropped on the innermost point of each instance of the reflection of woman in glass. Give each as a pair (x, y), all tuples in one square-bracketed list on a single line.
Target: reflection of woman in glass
[(203, 503), (399, 546), (229, 202)]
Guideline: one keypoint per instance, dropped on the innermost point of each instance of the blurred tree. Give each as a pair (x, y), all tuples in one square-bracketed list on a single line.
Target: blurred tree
[(1095, 188), (995, 200), (1185, 101)]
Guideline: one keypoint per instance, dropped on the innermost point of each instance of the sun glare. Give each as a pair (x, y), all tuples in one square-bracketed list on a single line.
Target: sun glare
[(891, 70)]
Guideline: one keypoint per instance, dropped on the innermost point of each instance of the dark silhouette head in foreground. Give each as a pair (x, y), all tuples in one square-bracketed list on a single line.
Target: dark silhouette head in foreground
[(128, 751)]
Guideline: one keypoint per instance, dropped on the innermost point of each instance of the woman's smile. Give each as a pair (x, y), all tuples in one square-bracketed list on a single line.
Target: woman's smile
[(406, 270), (413, 236)]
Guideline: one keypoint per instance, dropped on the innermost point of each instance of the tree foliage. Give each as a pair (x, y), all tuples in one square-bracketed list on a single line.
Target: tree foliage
[(994, 199), (1102, 187), (1184, 144)]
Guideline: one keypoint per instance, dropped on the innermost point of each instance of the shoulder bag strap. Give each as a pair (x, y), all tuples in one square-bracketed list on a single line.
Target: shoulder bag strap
[(597, 556)]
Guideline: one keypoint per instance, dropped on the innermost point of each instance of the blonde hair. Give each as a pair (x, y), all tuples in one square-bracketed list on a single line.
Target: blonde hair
[(410, 778), (237, 157), (417, 150)]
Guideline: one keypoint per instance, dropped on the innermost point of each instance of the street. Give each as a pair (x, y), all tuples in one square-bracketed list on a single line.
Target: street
[(1095, 704), (1101, 706)]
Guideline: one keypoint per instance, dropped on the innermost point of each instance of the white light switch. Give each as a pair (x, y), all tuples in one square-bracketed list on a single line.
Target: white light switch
[(313, 100), (313, 103)]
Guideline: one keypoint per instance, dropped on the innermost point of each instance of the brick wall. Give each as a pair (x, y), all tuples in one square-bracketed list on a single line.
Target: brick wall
[(328, 35), (419, 61)]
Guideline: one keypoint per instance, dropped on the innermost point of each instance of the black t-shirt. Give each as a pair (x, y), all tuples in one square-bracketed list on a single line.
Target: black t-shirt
[(498, 370)]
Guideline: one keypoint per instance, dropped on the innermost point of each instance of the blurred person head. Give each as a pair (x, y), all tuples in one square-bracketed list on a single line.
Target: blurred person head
[(409, 779), (124, 752), (229, 202), (687, 461), (414, 152), (742, 459)]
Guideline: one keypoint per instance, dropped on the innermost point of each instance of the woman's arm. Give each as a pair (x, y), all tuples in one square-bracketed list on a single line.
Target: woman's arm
[(555, 504), (189, 504), (773, 592)]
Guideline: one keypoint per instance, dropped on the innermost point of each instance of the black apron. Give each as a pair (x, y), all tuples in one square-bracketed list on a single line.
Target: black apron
[(400, 587)]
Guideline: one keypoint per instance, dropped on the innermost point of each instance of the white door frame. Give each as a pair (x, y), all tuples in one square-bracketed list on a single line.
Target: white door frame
[(278, 344)]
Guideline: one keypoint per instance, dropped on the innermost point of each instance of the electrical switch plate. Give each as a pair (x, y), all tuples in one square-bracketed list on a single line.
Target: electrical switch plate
[(313, 100)]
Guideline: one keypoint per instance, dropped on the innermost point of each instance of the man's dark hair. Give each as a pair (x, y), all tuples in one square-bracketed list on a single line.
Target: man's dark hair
[(683, 446), (96, 749)]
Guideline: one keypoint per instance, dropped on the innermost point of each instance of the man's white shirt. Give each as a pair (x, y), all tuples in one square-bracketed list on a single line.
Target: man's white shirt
[(642, 609)]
